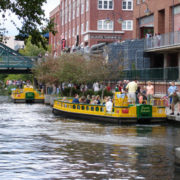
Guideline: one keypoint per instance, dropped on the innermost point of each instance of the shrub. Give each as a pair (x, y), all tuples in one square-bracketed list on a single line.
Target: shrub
[(10, 87)]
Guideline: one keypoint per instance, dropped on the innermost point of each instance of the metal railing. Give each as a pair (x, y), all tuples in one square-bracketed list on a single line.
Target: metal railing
[(17, 62), (158, 74), (162, 41)]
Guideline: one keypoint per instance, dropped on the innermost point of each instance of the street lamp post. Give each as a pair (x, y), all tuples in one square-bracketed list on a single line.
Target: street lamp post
[(147, 13), (108, 20)]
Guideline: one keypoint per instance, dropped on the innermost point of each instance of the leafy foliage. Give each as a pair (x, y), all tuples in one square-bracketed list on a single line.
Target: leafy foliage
[(32, 15), (45, 72), (23, 77), (76, 69), (31, 49)]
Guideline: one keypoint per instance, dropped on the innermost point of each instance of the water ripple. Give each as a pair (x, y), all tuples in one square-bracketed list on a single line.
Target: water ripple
[(35, 145)]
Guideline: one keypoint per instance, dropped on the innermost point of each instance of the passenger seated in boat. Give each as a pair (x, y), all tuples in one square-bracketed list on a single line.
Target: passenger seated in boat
[(109, 105), (88, 100), (104, 100), (64, 99), (142, 98), (82, 100), (98, 99), (76, 99), (93, 100)]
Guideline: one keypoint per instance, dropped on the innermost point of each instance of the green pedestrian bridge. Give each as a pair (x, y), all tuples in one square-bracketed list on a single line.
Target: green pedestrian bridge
[(12, 62)]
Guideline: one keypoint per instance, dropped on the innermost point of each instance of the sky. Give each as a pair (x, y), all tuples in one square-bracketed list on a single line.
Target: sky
[(12, 31)]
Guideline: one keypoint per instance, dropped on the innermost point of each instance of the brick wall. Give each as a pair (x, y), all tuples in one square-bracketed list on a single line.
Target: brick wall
[(155, 6), (92, 16)]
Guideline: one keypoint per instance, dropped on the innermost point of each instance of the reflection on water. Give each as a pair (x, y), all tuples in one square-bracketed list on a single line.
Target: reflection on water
[(35, 144)]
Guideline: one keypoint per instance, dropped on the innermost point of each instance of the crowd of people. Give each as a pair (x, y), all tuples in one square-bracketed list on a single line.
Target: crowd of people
[(18, 83), (137, 94), (107, 101), (153, 40)]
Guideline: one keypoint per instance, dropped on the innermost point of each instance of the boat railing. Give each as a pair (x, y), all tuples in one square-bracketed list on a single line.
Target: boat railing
[(101, 108), (89, 107), (17, 91), (160, 102), (83, 107)]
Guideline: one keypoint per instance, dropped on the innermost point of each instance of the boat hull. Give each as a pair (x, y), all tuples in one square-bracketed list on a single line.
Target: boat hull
[(27, 95), (28, 101), (106, 119)]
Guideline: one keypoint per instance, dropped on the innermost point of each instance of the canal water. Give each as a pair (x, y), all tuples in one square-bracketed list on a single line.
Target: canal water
[(35, 144)]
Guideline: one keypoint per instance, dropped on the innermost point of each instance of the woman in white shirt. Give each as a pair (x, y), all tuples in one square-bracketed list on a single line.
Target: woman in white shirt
[(109, 105)]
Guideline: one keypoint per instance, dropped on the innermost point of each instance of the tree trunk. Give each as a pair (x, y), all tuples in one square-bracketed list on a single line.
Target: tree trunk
[(61, 90), (102, 94), (70, 93)]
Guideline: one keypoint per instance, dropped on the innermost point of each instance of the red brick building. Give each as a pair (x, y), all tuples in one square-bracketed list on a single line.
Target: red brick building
[(84, 23), (160, 18), (159, 22), (55, 41)]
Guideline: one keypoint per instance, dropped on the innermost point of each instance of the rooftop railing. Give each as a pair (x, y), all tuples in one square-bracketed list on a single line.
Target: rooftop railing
[(162, 41)]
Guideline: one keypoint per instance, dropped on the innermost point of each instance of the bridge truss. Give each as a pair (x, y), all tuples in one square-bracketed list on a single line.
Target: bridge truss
[(12, 62)]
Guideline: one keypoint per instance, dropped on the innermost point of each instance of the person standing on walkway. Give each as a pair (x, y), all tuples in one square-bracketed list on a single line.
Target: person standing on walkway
[(175, 100), (132, 88), (172, 88), (96, 87), (149, 92)]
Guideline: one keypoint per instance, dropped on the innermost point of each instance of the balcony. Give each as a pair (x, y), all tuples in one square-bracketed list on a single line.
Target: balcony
[(164, 42), (154, 74)]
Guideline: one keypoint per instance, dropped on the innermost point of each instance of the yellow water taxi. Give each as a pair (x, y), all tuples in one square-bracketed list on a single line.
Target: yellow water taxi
[(122, 111), (27, 94)]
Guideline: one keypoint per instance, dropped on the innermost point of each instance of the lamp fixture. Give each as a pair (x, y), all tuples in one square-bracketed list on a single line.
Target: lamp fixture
[(147, 12), (108, 20)]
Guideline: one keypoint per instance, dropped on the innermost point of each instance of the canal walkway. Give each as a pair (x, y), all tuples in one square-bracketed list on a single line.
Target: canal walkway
[(173, 118)]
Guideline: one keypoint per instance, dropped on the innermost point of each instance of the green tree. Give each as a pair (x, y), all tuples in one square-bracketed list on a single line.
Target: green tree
[(45, 72), (32, 15), (31, 49), (23, 77), (76, 69)]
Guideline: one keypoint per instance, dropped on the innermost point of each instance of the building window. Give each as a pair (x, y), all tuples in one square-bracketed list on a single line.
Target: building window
[(137, 1), (62, 17), (103, 25), (127, 5), (87, 26), (127, 25), (105, 4), (73, 32), (77, 30), (82, 6), (69, 33), (82, 28), (66, 35), (77, 10), (69, 12), (87, 5), (74, 5), (176, 10)]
